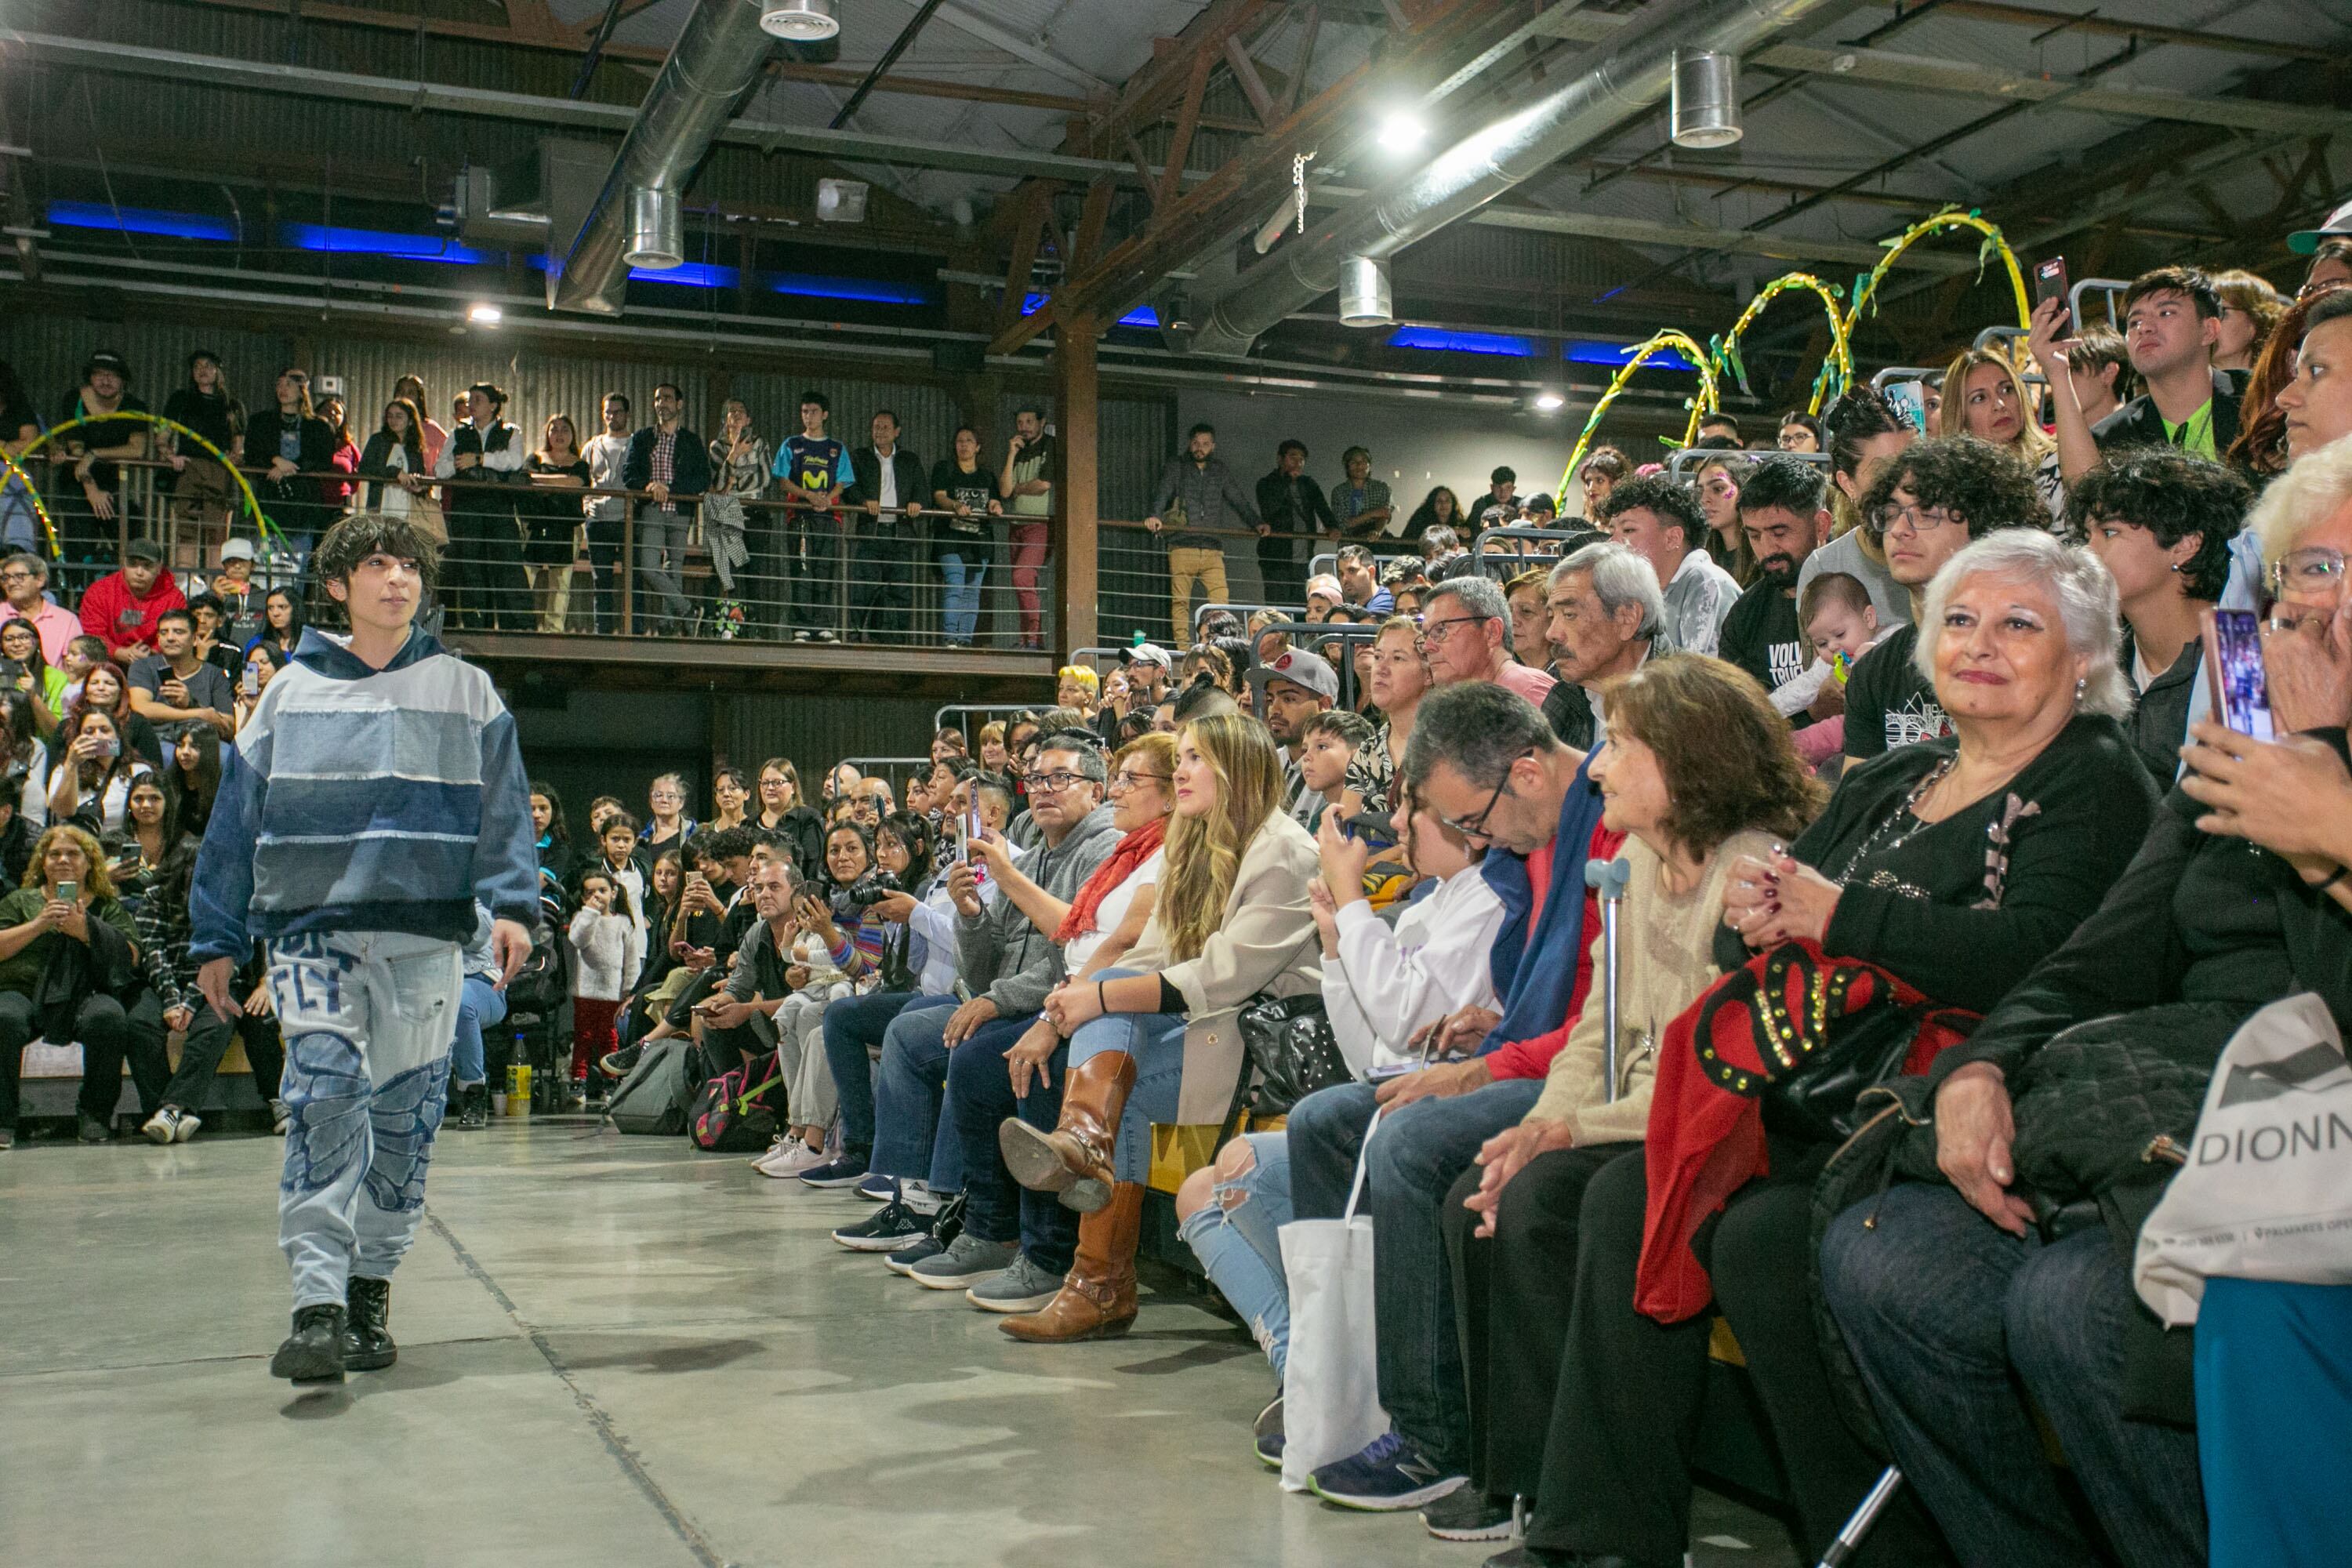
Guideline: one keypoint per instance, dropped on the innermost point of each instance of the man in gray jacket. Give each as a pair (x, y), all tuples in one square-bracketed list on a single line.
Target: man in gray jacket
[(1006, 963), (1200, 483)]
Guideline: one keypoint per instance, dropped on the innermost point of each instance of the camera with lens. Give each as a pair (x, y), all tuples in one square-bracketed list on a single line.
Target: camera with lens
[(871, 889)]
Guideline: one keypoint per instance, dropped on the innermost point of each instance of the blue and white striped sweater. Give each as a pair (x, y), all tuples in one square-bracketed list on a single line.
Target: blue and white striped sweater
[(358, 799)]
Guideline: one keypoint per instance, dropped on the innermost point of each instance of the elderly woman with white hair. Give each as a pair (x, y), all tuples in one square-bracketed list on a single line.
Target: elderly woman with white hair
[(1956, 865)]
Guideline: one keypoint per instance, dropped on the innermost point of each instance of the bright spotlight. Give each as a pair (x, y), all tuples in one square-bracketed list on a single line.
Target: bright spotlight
[(484, 315), (1402, 130), (1549, 402)]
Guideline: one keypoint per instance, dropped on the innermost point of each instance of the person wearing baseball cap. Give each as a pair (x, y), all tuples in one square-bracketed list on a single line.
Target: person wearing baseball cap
[(242, 599), (1291, 690), (120, 609), (86, 506), (2330, 248), (1147, 665)]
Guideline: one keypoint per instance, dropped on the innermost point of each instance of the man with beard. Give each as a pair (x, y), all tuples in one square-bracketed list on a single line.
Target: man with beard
[(1781, 510), (1296, 687)]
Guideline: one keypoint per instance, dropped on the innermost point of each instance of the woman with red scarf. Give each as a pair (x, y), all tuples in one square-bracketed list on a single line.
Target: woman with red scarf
[(1035, 1235)]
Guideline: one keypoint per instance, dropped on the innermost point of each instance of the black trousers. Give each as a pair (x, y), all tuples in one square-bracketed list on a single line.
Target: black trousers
[(1512, 1295), (882, 583), (207, 1042), (108, 1033), (1279, 572), (482, 578), (1625, 1418), (813, 549)]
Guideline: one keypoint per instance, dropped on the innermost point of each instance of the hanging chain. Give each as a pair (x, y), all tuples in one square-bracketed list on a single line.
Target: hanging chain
[(1298, 162)]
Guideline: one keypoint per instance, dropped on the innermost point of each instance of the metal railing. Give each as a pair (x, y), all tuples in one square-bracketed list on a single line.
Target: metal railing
[(1242, 613), (2110, 289)]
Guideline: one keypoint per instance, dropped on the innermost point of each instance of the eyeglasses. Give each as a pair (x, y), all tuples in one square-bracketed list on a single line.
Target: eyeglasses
[(2313, 573), (1125, 780), (1475, 824), (1434, 631), (1914, 519), (1053, 783)]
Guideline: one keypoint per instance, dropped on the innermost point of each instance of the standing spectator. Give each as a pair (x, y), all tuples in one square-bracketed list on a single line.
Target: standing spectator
[(20, 426), (1464, 633), (1604, 469), (296, 448), (2331, 262), (1782, 509), (1717, 482), (85, 512), (122, 608), (740, 460), (965, 541), (608, 949), (202, 490), (1027, 488), (410, 389), (1500, 506), (559, 472), (344, 456), (1986, 398), (1865, 434), (176, 691), (1291, 507), (394, 458), (1604, 619), (482, 575), (2250, 310), (1361, 505), (24, 581), (1441, 507), (1200, 483), (1360, 583), (782, 810), (608, 460), (1801, 432), (670, 463), (667, 826), (889, 487), (728, 796), (1658, 521), (815, 470), (2172, 318)]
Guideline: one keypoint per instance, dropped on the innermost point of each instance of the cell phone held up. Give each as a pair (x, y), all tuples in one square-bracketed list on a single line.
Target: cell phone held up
[(2050, 282), (2233, 672), (1375, 829)]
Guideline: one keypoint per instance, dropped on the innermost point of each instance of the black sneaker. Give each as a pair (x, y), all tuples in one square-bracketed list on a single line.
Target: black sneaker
[(887, 1229), (1466, 1513), (313, 1352), (90, 1130), (1265, 1436), (367, 1338), (922, 1249), (621, 1063), (948, 1224), (474, 1107)]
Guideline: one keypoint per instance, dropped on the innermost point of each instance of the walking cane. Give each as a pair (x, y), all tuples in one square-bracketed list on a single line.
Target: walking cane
[(1849, 1536), (1609, 877)]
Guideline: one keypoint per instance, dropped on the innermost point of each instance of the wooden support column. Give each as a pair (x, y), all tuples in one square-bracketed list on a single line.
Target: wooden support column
[(1077, 553)]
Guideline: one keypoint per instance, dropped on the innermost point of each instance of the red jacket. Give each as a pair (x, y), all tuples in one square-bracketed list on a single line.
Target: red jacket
[(112, 614), (1532, 1058)]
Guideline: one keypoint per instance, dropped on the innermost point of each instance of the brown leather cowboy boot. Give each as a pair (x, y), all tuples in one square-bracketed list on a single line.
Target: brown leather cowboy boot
[(1097, 1301), (1075, 1159)]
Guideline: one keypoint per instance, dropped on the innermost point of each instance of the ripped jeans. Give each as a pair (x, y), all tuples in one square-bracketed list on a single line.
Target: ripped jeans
[(1237, 1240), (367, 1019)]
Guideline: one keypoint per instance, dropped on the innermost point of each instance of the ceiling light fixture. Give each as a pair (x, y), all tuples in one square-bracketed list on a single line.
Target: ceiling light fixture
[(799, 21), (1402, 130), (484, 315), (1364, 292), (1549, 402)]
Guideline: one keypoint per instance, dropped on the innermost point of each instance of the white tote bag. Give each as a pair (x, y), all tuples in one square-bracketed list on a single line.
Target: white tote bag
[(2266, 1192), (1331, 1383)]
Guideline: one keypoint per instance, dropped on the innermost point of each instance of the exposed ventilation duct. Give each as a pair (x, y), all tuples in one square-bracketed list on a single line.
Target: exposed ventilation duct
[(1705, 113), (715, 61), (1619, 80)]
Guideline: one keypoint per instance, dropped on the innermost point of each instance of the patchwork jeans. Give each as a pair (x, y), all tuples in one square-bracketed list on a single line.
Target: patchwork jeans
[(367, 1019)]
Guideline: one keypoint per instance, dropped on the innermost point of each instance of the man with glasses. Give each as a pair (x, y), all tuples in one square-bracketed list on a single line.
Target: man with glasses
[(1466, 635), (671, 463), (1924, 510), (1783, 509), (1487, 764), (25, 580)]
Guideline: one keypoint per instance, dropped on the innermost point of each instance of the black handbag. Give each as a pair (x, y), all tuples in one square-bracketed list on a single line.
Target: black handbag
[(1288, 1052)]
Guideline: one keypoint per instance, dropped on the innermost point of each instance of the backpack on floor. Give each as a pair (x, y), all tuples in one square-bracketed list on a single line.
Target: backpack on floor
[(656, 1096), (730, 1113)]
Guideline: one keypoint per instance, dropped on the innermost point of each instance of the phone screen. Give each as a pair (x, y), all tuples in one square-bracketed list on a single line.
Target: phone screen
[(2233, 673), (252, 681), (1909, 400), (68, 891), (971, 826), (2050, 279)]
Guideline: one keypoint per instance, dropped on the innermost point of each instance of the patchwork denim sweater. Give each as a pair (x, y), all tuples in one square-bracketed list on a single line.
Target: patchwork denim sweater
[(366, 800)]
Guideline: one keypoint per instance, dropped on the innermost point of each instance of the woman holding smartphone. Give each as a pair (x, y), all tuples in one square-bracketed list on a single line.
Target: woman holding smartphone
[(262, 663), (44, 687), (92, 784)]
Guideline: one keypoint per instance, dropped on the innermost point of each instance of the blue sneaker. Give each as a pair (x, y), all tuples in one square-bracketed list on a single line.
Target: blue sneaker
[(1390, 1476), (877, 1189), (847, 1171), (1266, 1434)]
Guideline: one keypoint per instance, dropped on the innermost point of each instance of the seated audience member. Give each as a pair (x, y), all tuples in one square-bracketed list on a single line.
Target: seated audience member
[(1441, 507), (1076, 687), (69, 971), (1466, 635), (161, 928), (2162, 522), (1697, 773), (1715, 484), (1866, 434), (1230, 923), (262, 663), (1841, 626), (1720, 427), (1784, 511), (106, 689), (782, 810), (1604, 615), (1985, 398), (481, 1004), (1800, 432), (2250, 310), (42, 686), (91, 785), (1488, 764), (23, 595), (27, 759), (1018, 1245), (2316, 405), (122, 608), (2094, 365), (1328, 745), (192, 780), (1603, 468), (1381, 989), (1658, 521), (1979, 1307), (136, 853), (1006, 965), (2171, 320), (1398, 681), (1925, 508), (174, 689), (1324, 596), (1297, 686)]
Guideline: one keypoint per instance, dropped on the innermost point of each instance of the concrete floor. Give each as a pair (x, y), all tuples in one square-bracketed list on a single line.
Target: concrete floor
[(614, 1350)]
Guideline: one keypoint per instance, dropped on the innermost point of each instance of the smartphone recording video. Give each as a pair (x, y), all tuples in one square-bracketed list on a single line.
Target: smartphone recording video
[(2049, 281), (2233, 672)]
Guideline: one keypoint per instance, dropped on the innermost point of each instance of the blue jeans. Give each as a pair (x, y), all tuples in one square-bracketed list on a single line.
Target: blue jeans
[(1156, 1041), (1238, 1239), (960, 608), (980, 1093), (914, 1139), (2273, 1403), (480, 1005), (1946, 1315), (366, 1018), (854, 1031), (1418, 1154)]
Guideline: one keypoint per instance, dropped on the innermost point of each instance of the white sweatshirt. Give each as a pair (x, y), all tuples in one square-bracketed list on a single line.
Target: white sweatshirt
[(1387, 984), (609, 948)]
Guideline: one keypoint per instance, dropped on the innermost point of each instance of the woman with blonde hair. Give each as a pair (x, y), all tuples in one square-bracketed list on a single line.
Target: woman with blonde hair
[(1076, 688), (1985, 398), (1154, 1040)]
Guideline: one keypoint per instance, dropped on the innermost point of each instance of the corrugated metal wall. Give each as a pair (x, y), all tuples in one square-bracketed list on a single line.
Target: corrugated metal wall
[(816, 731)]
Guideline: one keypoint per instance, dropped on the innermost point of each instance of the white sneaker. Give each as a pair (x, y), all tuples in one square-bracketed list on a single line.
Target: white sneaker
[(163, 1127), (190, 1122), (792, 1161), (775, 1147), (281, 1120)]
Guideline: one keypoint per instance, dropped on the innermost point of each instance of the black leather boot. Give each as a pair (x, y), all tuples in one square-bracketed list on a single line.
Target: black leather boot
[(313, 1352), (367, 1341)]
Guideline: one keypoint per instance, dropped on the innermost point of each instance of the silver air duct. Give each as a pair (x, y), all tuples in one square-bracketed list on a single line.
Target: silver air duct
[(1620, 79), (1364, 292), (657, 230), (716, 60), (1705, 109), (802, 21)]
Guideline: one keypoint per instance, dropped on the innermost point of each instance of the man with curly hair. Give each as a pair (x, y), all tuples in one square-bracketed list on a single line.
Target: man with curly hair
[(374, 796), (1922, 511)]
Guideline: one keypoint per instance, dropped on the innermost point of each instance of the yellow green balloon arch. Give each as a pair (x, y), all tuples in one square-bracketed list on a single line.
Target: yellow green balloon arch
[(252, 501)]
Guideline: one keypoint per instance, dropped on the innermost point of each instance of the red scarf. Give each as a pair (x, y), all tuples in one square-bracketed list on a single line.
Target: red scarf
[(1133, 851), (1706, 1138)]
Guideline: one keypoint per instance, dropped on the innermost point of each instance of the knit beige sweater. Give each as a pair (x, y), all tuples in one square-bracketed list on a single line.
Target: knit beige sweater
[(1666, 958)]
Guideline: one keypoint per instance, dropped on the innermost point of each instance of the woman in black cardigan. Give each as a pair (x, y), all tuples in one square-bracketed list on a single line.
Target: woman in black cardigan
[(1954, 865), (290, 442)]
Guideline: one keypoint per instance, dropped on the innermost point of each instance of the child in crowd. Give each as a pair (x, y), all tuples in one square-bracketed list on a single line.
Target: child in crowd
[(608, 947), (1842, 625), (1327, 746), (617, 839)]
